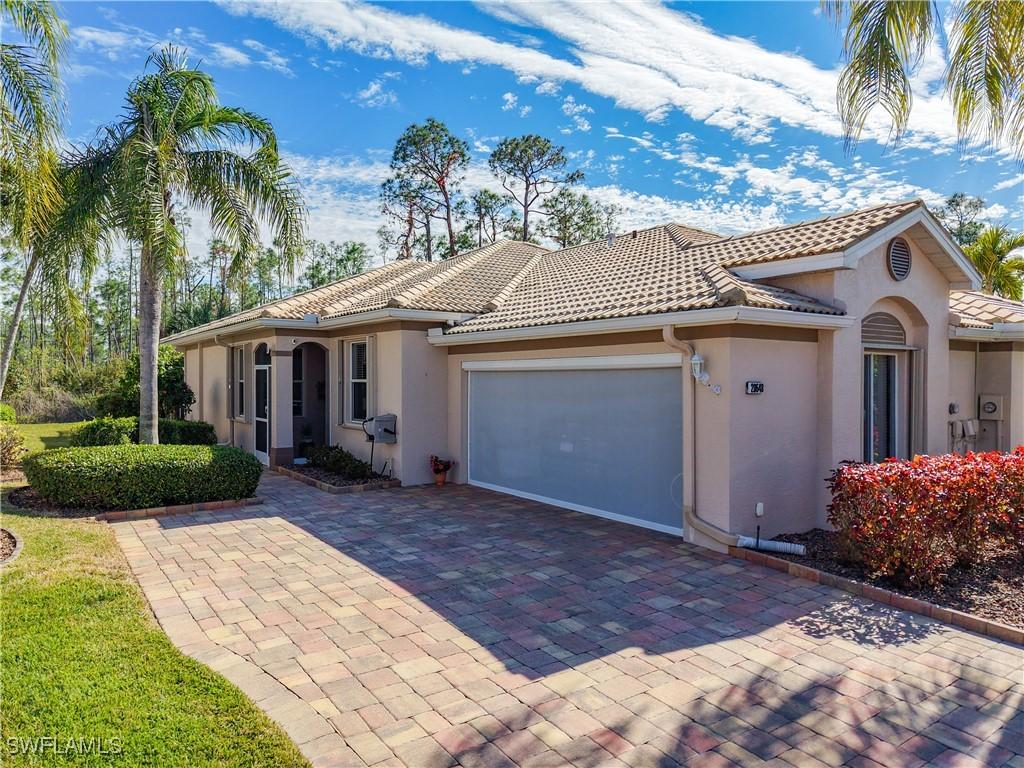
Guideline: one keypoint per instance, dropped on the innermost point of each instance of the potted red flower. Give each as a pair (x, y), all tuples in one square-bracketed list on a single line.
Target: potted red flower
[(440, 468)]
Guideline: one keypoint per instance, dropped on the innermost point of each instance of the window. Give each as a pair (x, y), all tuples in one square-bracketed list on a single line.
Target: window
[(239, 353), (297, 382), (357, 378)]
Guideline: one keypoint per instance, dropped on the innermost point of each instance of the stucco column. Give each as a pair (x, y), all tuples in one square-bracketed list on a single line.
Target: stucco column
[(281, 448)]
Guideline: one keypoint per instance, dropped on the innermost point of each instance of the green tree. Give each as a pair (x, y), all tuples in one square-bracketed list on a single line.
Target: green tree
[(429, 162), (1002, 272), (984, 78), (529, 168), (328, 262), (175, 144), (489, 215), (31, 107), (176, 397), (959, 215), (573, 218)]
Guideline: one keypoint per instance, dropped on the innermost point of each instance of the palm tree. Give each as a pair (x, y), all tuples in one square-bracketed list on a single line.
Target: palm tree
[(985, 60), (1002, 272), (30, 114), (174, 147)]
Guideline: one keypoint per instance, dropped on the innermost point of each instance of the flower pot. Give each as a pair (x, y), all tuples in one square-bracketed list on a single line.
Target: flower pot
[(440, 477)]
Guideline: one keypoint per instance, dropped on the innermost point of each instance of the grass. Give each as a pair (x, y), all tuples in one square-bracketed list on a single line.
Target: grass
[(38, 437), (82, 658)]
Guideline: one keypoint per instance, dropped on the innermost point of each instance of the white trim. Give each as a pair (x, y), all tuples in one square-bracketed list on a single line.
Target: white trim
[(263, 457), (896, 410), (689, 318), (670, 360), (427, 316), (998, 332), (794, 266), (920, 215), (347, 345), (581, 508)]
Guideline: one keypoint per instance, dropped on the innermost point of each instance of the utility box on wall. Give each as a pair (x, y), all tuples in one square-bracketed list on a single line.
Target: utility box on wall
[(385, 428), (990, 407)]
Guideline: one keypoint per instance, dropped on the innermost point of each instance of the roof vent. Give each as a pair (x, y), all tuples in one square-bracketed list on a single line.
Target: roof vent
[(898, 258), (611, 239), (634, 234)]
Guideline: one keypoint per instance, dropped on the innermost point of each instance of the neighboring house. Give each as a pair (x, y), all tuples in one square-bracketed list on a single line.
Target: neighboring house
[(668, 377)]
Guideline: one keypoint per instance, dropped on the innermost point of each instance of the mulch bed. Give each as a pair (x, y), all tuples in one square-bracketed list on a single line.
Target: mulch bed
[(28, 498), (7, 544), (993, 589), (331, 478)]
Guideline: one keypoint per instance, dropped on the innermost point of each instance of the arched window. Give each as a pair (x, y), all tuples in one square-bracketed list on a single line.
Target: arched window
[(262, 355), (881, 328)]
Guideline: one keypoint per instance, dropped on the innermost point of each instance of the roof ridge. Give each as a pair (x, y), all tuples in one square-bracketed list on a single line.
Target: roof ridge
[(506, 292), (352, 280), (335, 307), (807, 222), (728, 288), (466, 260)]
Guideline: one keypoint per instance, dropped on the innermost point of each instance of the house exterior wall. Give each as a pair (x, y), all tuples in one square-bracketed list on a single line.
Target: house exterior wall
[(961, 384), (1001, 372), (921, 303)]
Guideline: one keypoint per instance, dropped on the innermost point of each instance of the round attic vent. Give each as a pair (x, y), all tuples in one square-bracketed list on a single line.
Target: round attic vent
[(898, 258)]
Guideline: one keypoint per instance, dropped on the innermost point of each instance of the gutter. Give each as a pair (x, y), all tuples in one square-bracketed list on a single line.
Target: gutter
[(998, 332), (315, 322), (690, 516), (686, 318)]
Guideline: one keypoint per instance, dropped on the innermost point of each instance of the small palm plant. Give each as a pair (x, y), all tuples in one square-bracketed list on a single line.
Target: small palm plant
[(175, 147), (1002, 272)]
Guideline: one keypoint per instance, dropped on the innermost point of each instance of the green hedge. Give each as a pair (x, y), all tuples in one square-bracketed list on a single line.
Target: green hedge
[(125, 430), (339, 461), (7, 414), (139, 476)]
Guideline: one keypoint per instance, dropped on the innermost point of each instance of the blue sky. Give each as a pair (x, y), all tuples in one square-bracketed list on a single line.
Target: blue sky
[(719, 115)]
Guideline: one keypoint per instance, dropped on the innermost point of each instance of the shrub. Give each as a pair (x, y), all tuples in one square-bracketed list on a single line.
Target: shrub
[(339, 461), (175, 396), (139, 476), (120, 431), (912, 520), (7, 414), (12, 445)]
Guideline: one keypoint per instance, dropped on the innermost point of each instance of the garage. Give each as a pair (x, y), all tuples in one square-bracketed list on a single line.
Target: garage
[(596, 435)]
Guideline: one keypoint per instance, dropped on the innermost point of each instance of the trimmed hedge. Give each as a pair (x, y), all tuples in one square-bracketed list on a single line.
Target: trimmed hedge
[(913, 520), (7, 414), (125, 430), (140, 476), (339, 461)]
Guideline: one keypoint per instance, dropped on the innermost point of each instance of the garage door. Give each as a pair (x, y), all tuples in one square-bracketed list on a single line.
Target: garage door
[(602, 440)]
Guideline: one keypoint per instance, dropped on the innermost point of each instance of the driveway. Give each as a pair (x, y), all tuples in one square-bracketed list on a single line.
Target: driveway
[(441, 626)]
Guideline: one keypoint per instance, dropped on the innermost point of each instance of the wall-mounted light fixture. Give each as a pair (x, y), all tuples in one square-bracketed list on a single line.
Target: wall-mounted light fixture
[(700, 375)]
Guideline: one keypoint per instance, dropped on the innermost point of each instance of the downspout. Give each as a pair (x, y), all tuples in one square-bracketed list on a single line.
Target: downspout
[(230, 389), (690, 516)]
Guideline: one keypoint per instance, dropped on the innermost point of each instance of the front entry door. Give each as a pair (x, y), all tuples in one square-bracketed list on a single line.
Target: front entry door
[(881, 407), (261, 417)]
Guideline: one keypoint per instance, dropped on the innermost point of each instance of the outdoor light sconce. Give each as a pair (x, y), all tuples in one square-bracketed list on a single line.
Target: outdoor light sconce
[(701, 376)]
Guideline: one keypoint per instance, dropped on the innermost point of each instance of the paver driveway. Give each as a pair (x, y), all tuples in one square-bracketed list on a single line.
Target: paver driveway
[(429, 627)]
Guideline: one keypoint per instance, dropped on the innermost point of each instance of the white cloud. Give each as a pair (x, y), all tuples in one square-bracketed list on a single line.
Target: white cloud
[(644, 56), (375, 95), (229, 56), (1013, 181), (525, 110), (510, 100), (272, 59)]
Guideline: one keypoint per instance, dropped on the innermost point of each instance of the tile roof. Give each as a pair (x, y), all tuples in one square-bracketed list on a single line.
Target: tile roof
[(511, 284), (980, 310), (465, 283)]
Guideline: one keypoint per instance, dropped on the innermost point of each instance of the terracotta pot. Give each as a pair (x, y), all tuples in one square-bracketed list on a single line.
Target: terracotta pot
[(439, 478)]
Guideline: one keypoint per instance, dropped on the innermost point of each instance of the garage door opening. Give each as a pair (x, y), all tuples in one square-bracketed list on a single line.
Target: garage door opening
[(597, 438)]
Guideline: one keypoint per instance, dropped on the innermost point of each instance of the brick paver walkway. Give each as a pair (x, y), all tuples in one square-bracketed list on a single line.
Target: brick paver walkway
[(429, 627)]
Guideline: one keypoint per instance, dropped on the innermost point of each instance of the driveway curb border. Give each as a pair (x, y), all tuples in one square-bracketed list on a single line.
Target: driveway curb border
[(896, 600), (373, 485), (178, 509)]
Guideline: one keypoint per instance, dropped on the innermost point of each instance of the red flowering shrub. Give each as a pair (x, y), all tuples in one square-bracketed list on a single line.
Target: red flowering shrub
[(912, 520)]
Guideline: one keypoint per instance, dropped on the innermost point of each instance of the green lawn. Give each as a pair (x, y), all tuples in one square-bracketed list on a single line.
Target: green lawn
[(81, 658), (41, 436)]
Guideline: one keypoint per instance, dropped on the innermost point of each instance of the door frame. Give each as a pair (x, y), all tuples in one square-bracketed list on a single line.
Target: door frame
[(899, 412), (604, 363), (267, 368)]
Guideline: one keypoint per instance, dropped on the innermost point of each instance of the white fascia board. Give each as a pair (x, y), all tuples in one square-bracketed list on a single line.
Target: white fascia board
[(799, 265), (998, 332), (691, 318), (606, 362), (920, 216), (388, 313)]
